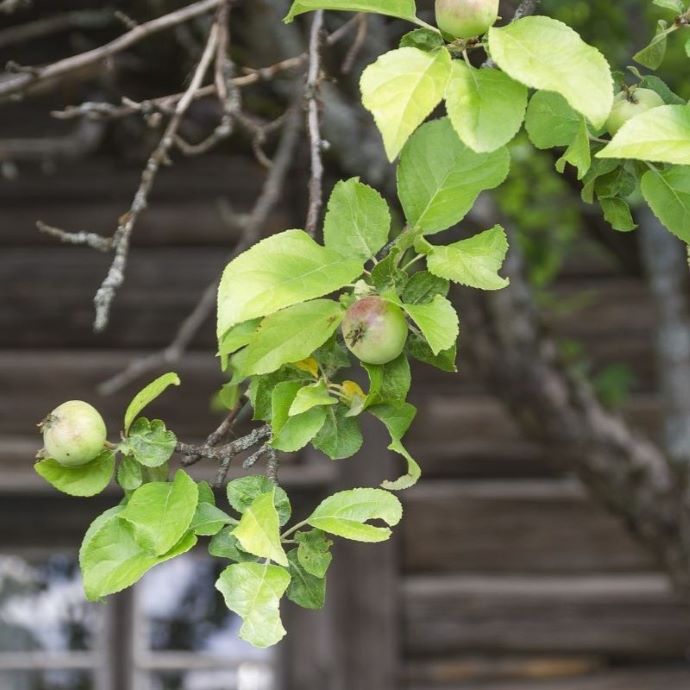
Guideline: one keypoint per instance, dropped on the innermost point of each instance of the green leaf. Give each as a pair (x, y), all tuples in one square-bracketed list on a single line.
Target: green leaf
[(259, 529), (150, 443), (289, 434), (209, 520), (206, 494), (311, 396), (129, 474), (314, 551), (306, 590), (401, 89), (550, 121), (86, 480), (653, 55), (280, 271), (485, 106), (578, 154), (651, 81), (673, 5), (438, 322), (291, 335), (237, 337), (340, 436), (418, 348), (148, 394), (474, 262), (388, 382), (601, 167), (225, 545), (357, 220), (261, 389), (404, 9), (661, 134), (617, 213), (244, 491), (253, 591), (543, 53), (422, 287), (111, 559), (397, 419), (161, 512), (424, 39), (346, 513), (668, 194), (619, 182), (439, 178)]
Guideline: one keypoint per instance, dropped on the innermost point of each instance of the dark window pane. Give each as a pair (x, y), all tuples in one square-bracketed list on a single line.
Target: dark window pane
[(42, 606), (46, 680), (184, 612)]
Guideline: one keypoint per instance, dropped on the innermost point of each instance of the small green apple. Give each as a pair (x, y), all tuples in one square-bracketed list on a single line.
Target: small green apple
[(466, 18), (74, 433), (375, 330), (629, 104)]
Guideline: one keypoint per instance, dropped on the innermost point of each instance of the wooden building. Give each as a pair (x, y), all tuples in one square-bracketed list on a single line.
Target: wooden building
[(503, 575)]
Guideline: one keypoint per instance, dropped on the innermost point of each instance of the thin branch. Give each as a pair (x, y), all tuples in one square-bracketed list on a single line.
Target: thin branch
[(121, 238), (252, 227), (30, 76), (314, 125), (90, 239), (357, 44)]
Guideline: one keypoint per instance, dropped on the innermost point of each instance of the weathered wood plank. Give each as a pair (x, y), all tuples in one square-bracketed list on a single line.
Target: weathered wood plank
[(631, 616), (546, 526), (642, 678)]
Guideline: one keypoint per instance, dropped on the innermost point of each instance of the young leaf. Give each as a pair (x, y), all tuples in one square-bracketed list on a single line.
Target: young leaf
[(129, 474), (617, 213), (253, 591), (340, 436), (311, 396), (160, 512), (280, 271), (578, 154), (306, 590), (401, 89), (550, 121), (674, 5), (403, 9), (389, 382), (544, 53), (85, 480), (485, 106), (292, 433), (397, 419), (111, 559), (314, 551), (149, 443), (422, 287), (418, 348), (439, 178), (473, 262), (357, 220), (668, 194), (653, 55), (225, 545), (346, 513), (259, 530), (437, 321), (209, 520), (234, 339), (424, 39), (291, 335), (651, 81), (661, 134), (148, 394), (244, 491)]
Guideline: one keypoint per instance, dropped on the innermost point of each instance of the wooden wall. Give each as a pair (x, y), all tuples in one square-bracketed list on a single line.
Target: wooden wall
[(504, 575)]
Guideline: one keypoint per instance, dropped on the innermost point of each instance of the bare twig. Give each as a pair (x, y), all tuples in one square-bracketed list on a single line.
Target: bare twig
[(27, 78), (360, 38), (264, 204), (313, 125), (255, 457), (121, 238), (272, 464), (90, 239)]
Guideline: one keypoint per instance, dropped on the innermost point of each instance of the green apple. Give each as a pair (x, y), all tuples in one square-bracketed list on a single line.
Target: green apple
[(375, 330), (74, 433), (629, 104), (466, 18)]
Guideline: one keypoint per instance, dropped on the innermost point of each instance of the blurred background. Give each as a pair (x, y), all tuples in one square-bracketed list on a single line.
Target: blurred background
[(506, 573)]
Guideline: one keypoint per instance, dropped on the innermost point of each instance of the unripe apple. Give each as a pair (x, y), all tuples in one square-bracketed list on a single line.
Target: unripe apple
[(466, 18), (375, 330), (628, 104), (74, 433)]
